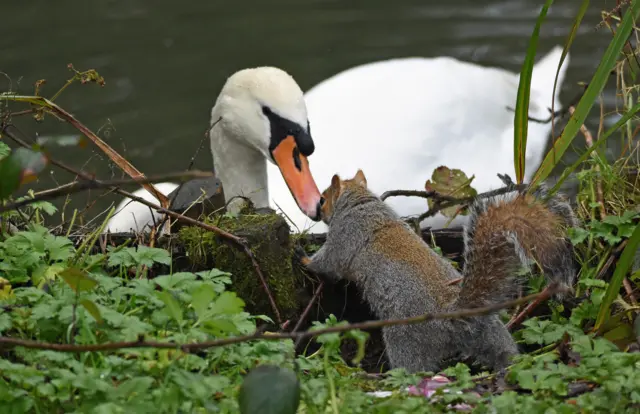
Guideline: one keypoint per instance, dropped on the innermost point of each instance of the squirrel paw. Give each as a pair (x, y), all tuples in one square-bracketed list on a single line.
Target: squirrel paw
[(300, 256)]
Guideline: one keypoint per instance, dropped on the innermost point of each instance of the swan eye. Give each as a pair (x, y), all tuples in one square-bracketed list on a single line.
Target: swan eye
[(296, 158), (266, 110)]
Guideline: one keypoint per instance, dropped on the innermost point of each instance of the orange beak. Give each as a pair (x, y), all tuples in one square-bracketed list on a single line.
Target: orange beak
[(294, 168)]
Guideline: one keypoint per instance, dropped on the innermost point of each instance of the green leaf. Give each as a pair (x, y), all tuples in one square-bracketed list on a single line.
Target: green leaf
[(173, 281), (201, 298), (10, 172), (577, 235), (623, 266), (449, 182), (227, 303), (361, 339), (78, 279), (134, 387), (149, 255), (5, 322), (217, 325), (269, 389), (521, 118), (596, 85), (92, 309), (172, 307), (4, 150)]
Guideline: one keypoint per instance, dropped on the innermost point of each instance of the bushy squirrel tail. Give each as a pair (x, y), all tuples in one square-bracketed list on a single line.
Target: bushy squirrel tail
[(512, 232)]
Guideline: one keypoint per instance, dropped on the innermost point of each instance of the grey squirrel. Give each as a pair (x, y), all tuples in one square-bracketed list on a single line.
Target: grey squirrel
[(401, 276)]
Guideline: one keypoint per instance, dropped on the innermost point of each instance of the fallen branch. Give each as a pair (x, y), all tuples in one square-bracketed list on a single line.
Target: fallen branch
[(141, 343)]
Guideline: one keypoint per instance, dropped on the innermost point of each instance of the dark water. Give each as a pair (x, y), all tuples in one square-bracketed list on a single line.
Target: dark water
[(165, 61)]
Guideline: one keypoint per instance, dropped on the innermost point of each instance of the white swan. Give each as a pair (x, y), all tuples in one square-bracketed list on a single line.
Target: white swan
[(397, 120)]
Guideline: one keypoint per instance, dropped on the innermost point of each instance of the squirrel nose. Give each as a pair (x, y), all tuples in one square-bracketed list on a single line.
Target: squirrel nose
[(318, 209)]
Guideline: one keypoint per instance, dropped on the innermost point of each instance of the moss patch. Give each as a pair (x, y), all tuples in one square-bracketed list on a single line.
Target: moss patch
[(269, 239)]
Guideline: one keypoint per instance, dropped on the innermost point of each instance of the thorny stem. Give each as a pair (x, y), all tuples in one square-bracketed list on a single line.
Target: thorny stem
[(190, 347)]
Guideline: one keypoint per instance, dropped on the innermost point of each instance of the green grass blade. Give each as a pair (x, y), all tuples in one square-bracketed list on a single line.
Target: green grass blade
[(570, 38), (626, 259), (521, 118), (567, 171), (594, 89)]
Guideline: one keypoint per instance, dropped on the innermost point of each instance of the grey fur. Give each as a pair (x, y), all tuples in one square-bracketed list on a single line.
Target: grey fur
[(395, 289)]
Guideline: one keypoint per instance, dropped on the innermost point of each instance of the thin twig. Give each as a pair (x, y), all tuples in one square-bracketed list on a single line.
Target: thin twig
[(78, 186), (190, 347), (629, 289), (315, 296), (542, 296), (444, 201)]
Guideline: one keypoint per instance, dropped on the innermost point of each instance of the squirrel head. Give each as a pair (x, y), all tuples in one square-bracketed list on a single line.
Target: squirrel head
[(338, 186)]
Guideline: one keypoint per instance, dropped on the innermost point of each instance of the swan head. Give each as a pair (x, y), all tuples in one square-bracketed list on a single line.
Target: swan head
[(264, 108)]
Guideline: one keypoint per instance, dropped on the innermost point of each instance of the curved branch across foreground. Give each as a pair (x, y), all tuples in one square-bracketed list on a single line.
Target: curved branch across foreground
[(190, 347)]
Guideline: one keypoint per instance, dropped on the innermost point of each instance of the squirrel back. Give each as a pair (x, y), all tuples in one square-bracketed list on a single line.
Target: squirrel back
[(401, 276), (508, 233)]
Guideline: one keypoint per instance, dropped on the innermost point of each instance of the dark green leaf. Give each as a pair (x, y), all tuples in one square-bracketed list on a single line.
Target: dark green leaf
[(10, 172), (201, 298), (149, 255), (92, 309), (623, 266), (4, 150), (521, 118), (227, 303), (5, 322), (269, 389), (172, 307)]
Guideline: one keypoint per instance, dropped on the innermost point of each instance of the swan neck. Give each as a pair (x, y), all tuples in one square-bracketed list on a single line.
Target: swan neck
[(242, 171)]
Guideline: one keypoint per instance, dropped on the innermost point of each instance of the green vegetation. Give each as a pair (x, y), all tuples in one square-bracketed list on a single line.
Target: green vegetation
[(89, 328)]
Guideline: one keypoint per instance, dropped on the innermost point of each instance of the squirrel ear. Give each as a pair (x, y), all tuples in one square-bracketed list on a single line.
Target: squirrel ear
[(335, 182), (361, 179)]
